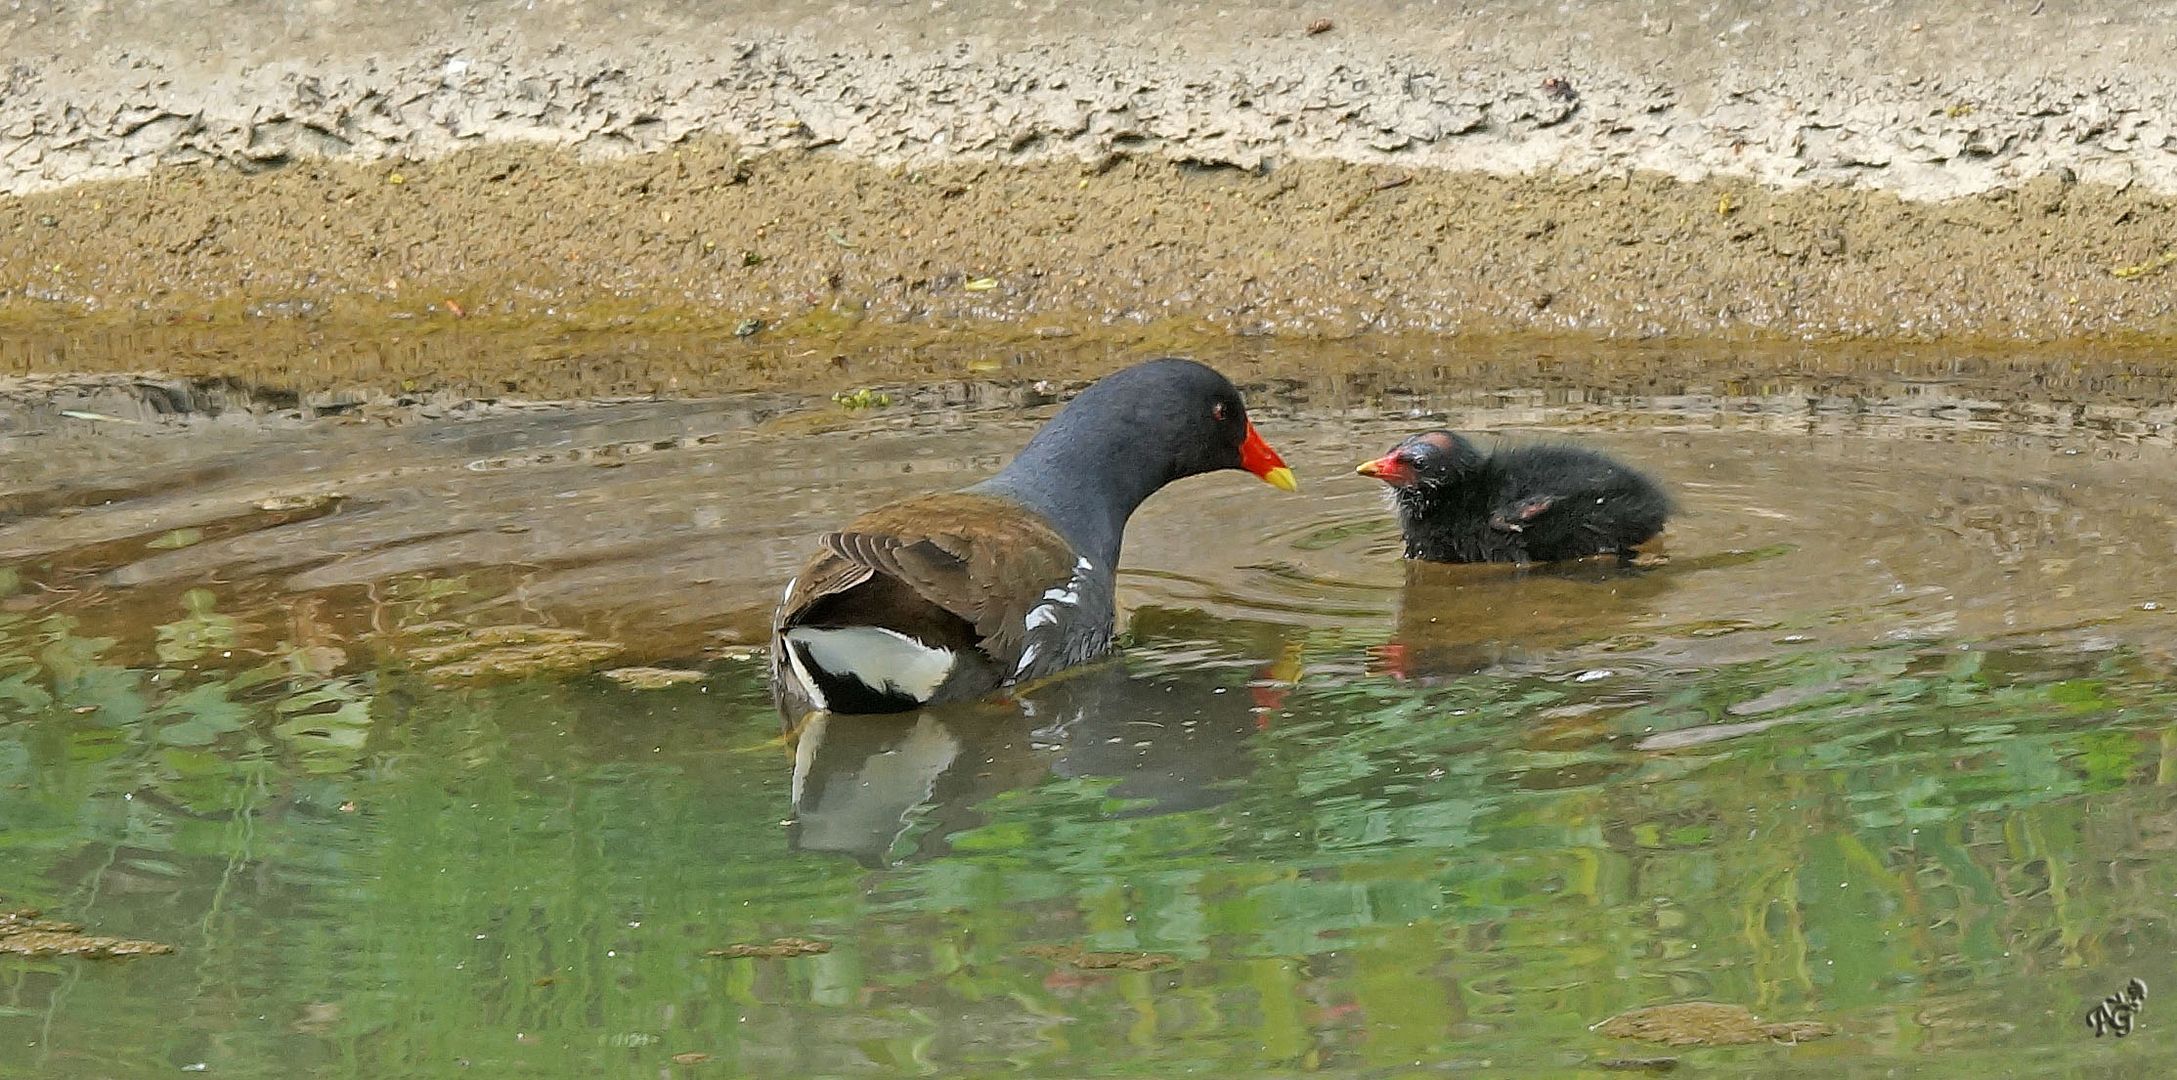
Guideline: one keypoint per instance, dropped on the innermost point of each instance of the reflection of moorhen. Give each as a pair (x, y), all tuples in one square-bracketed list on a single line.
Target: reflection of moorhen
[(862, 785), (947, 596), (1527, 504)]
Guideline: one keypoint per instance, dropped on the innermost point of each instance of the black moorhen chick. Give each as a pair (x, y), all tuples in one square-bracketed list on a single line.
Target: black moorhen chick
[(1527, 504), (948, 596)]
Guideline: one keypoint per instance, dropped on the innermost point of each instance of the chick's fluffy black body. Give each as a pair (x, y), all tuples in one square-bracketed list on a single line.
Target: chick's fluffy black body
[(1524, 504)]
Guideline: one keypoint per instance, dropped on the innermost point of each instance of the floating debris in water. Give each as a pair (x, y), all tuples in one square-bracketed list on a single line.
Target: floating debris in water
[(1100, 961), (651, 678), (1707, 1023), (1656, 1065), (288, 504), (95, 417), (23, 933), (318, 1018), (176, 538), (512, 651), (863, 399), (981, 284), (779, 947), (692, 1057)]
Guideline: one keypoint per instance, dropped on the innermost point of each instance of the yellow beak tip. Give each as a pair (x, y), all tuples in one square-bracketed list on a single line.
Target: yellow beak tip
[(1282, 479)]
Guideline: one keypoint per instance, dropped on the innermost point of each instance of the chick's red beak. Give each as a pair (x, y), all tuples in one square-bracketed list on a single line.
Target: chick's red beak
[(1390, 468), (1257, 457)]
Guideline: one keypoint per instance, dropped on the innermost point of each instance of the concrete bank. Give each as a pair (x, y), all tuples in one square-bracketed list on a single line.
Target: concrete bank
[(1913, 169)]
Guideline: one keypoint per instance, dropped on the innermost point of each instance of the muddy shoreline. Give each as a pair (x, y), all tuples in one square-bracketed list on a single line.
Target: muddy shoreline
[(794, 258), (829, 181)]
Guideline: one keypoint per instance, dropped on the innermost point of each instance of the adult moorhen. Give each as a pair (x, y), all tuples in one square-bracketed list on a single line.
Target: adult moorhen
[(1527, 504), (947, 596)]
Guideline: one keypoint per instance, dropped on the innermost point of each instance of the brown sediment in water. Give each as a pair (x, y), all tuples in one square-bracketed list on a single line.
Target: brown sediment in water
[(777, 948), (1707, 1023), (769, 267), (1100, 961), (24, 933)]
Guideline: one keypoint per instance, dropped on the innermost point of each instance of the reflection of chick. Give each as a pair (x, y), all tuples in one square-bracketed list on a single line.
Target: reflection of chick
[(1453, 620)]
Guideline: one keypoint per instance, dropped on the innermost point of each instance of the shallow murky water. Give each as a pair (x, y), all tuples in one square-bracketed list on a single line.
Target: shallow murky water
[(1884, 742)]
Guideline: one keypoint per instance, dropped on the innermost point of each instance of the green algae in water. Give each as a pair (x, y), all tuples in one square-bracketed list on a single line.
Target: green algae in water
[(522, 877)]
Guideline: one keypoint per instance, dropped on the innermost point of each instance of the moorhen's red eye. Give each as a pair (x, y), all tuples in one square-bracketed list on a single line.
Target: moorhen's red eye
[(1217, 412)]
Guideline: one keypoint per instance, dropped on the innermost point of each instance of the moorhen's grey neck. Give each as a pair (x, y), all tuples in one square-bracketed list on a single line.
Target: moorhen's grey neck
[(1109, 449), (1526, 504), (947, 596), (1057, 477)]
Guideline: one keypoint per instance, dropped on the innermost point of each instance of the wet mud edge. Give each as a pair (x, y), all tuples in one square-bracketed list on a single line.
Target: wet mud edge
[(799, 257)]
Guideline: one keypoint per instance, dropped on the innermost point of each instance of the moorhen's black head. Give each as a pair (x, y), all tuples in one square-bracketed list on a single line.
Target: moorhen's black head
[(1172, 419), (1123, 439), (1141, 428), (1432, 459)]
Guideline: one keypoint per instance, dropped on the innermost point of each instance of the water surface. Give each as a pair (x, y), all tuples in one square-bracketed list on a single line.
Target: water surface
[(1884, 741)]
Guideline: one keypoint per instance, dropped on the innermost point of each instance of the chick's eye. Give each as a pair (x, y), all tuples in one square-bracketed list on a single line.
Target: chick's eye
[(1217, 412)]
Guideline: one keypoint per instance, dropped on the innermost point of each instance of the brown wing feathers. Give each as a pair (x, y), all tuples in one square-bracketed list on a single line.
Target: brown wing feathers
[(983, 560)]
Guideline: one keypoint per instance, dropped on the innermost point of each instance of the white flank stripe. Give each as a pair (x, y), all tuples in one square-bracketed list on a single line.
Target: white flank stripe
[(881, 659), (1046, 613), (801, 674)]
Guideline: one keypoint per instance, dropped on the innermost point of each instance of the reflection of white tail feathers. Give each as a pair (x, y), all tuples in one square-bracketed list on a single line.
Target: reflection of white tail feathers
[(864, 810)]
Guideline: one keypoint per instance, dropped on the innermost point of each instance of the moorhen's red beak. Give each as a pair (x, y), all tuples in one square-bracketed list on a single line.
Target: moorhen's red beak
[(1257, 457), (1389, 468)]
